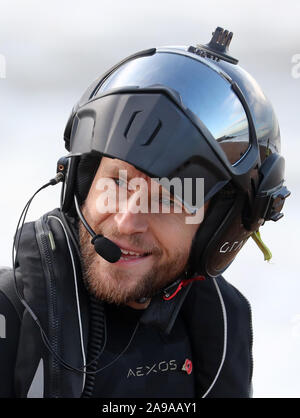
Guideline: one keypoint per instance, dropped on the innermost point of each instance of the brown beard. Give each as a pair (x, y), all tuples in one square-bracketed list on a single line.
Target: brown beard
[(109, 285)]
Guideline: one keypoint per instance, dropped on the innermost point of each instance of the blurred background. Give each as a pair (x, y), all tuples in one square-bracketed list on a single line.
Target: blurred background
[(51, 51)]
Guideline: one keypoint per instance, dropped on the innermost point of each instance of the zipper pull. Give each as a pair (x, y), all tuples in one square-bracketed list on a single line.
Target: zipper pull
[(51, 240)]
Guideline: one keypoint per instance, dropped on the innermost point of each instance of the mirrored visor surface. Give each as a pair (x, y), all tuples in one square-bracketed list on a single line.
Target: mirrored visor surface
[(203, 90)]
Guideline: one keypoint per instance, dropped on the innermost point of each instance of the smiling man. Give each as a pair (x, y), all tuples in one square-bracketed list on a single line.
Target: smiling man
[(174, 162), (155, 246)]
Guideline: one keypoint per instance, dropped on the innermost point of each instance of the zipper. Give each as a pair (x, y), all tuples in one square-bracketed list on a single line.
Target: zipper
[(42, 231)]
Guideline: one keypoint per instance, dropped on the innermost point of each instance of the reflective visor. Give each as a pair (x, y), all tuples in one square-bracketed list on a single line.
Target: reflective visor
[(202, 89)]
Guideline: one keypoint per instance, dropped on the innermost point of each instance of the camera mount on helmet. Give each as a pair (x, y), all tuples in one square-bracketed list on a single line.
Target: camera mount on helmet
[(217, 48)]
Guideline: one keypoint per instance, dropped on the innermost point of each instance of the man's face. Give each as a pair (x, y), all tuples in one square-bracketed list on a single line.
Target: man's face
[(160, 242)]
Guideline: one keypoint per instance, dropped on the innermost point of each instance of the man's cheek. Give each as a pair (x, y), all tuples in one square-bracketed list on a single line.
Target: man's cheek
[(106, 200)]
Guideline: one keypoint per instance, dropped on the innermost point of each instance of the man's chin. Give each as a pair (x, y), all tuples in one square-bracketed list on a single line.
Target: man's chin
[(121, 290), (118, 285)]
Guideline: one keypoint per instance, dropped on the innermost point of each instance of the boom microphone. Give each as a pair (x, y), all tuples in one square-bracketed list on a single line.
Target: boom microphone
[(107, 249)]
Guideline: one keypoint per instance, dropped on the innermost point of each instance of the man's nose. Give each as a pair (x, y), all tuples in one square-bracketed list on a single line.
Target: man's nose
[(129, 222)]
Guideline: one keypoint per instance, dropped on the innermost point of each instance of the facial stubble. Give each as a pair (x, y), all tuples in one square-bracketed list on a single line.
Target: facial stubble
[(115, 285)]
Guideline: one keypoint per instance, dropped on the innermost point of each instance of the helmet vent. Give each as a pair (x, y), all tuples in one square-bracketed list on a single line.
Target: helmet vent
[(135, 124), (154, 133), (133, 116)]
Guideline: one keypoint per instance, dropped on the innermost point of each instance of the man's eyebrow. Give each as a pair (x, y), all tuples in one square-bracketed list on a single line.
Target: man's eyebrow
[(114, 169)]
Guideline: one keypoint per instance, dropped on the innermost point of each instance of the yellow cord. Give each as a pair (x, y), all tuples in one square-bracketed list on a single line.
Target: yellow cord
[(261, 245)]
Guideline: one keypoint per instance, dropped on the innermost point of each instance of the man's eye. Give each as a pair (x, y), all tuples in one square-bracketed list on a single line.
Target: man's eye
[(167, 202), (119, 182), (173, 204)]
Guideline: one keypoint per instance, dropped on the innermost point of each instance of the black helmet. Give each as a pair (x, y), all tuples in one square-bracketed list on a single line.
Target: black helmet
[(186, 112)]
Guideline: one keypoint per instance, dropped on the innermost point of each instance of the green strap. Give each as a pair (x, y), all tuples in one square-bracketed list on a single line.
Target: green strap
[(261, 245)]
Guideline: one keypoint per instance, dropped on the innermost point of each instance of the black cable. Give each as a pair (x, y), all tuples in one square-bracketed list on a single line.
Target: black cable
[(87, 226), (15, 248), (66, 223), (124, 350)]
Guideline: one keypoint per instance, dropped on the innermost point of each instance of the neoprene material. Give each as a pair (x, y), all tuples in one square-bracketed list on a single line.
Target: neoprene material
[(152, 365), (10, 324), (85, 174), (52, 298)]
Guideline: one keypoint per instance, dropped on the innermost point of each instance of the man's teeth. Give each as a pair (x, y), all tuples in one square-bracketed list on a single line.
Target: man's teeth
[(131, 253)]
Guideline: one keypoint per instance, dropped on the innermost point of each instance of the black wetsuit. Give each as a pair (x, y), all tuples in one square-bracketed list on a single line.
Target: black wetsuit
[(152, 364), (197, 344)]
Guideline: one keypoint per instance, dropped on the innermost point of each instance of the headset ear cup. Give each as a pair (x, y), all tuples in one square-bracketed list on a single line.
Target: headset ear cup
[(67, 203), (217, 210), (271, 175), (227, 241), (79, 177), (85, 173), (220, 236), (230, 221)]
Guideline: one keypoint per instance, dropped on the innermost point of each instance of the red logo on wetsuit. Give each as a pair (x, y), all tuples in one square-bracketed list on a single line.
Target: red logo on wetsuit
[(188, 366)]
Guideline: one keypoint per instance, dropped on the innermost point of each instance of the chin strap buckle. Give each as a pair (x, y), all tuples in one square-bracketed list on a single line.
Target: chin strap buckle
[(180, 284)]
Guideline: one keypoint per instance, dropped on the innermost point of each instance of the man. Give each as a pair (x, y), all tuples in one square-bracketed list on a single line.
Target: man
[(119, 292), (161, 242)]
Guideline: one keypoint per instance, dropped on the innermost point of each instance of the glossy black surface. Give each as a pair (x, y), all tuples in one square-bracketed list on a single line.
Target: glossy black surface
[(204, 91)]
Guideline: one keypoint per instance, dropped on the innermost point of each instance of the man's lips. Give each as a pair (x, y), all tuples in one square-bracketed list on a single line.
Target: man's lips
[(129, 250), (130, 254), (132, 260)]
